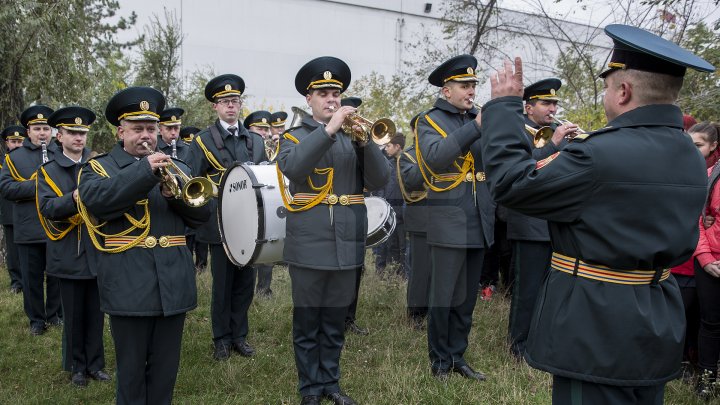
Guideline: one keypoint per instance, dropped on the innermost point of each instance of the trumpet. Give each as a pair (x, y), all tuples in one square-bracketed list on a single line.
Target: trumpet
[(195, 191), (360, 128), (566, 122), (271, 149), (541, 135)]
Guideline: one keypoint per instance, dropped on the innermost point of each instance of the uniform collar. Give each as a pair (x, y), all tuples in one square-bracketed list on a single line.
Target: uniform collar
[(121, 157), (444, 105), (309, 121), (531, 123), (51, 144), (666, 115), (65, 161), (241, 131)]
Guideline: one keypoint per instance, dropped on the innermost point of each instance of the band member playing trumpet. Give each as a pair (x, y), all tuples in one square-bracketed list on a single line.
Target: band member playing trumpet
[(530, 237), (145, 273), (277, 125), (461, 213), (17, 184), (326, 224), (169, 141), (69, 247), (214, 150)]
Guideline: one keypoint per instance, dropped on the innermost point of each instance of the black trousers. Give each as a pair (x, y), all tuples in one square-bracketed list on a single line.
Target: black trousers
[(418, 288), (200, 249), (83, 350), (392, 251), (264, 278), (708, 291), (531, 261), (688, 291), (352, 308), (233, 289), (453, 294), (147, 352), (38, 307), (11, 257), (320, 304), (567, 391)]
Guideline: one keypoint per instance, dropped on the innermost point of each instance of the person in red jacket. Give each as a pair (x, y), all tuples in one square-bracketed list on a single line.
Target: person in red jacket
[(705, 137), (707, 273)]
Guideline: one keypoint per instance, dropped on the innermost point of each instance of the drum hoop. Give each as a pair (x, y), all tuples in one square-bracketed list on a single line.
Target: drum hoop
[(261, 215)]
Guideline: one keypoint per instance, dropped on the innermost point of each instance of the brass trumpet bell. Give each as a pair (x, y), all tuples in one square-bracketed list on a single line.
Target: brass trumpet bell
[(358, 127), (541, 136), (198, 191)]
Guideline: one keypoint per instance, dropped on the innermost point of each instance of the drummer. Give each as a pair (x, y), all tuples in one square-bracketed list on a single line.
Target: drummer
[(213, 151), (325, 242)]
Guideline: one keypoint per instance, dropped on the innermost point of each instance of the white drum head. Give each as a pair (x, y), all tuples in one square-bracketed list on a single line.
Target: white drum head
[(377, 213), (238, 214)]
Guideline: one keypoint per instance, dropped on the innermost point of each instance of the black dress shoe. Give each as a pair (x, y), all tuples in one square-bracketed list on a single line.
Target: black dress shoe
[(310, 400), (468, 372), (243, 348), (55, 322), (100, 375), (441, 375), (79, 379), (339, 398), (221, 352), (37, 330), (351, 326)]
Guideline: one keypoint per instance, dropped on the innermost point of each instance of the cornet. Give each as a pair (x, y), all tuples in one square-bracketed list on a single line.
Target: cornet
[(195, 191), (271, 149), (566, 122), (358, 128)]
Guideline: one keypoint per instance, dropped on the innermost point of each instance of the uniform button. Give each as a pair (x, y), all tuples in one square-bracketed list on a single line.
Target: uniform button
[(150, 242)]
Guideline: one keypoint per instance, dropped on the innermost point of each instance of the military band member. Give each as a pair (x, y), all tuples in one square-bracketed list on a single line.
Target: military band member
[(17, 183), (277, 125), (414, 192), (13, 137), (145, 273), (68, 246), (530, 236), (461, 213), (169, 141), (188, 133), (609, 321), (214, 150), (326, 224)]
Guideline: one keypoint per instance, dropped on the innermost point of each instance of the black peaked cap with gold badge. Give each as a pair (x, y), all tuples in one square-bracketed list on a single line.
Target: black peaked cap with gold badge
[(13, 132), (459, 68), (74, 118), (188, 133), (260, 118), (545, 89), (224, 86), (325, 72), (278, 119), (635, 48), (37, 114), (351, 101), (170, 117), (135, 104)]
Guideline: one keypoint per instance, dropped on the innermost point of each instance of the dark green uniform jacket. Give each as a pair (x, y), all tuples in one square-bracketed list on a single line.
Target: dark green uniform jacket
[(627, 196), (140, 281), (26, 160), (414, 185), (457, 218), (182, 149), (524, 227), (315, 239), (236, 151), (67, 257)]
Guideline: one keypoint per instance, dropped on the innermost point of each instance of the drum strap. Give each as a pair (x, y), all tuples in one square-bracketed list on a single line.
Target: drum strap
[(220, 145)]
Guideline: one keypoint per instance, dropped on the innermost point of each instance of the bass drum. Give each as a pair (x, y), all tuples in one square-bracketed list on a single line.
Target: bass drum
[(381, 221), (251, 214)]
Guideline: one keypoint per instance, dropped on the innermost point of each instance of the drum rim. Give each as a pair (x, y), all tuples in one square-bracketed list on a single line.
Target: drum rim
[(261, 215)]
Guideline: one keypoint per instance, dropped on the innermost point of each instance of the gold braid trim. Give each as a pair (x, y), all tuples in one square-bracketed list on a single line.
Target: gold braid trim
[(468, 162), (53, 231), (408, 198), (13, 171), (213, 162), (305, 205), (94, 230)]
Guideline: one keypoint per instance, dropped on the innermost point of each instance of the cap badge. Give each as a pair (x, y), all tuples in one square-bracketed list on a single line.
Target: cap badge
[(40, 116), (327, 75), (173, 118), (552, 92), (264, 120), (16, 133), (228, 87), (144, 105), (78, 120), (470, 70)]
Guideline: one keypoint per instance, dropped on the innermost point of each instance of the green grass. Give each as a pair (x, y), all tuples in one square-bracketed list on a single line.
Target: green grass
[(389, 366)]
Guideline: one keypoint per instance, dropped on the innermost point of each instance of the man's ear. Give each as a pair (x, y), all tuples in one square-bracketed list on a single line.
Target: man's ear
[(625, 93)]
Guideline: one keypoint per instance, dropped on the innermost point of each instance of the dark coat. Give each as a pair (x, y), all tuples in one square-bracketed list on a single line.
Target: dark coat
[(66, 258), (140, 281), (312, 239), (26, 160), (416, 213), (237, 151), (6, 206), (627, 196), (457, 218)]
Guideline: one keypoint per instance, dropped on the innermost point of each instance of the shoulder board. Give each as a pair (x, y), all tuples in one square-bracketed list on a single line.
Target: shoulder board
[(47, 163), (287, 135), (585, 136), (98, 156)]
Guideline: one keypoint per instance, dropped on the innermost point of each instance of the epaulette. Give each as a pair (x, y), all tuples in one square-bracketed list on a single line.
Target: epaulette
[(582, 137)]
